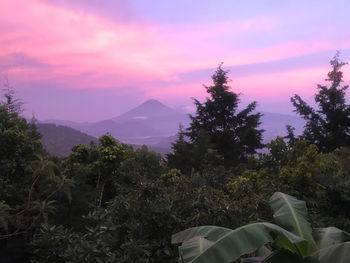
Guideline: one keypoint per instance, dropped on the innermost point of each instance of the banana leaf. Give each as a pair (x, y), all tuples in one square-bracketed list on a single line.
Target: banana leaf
[(211, 233), (338, 253), (329, 236), (291, 214), (192, 248), (283, 256), (235, 243)]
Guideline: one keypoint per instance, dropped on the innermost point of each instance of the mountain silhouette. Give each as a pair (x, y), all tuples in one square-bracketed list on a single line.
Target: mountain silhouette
[(154, 124), (151, 109)]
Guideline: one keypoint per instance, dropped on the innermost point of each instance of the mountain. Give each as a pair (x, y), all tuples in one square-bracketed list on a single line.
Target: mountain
[(150, 119), (152, 113), (148, 110), (125, 129), (274, 125), (59, 140), (154, 124)]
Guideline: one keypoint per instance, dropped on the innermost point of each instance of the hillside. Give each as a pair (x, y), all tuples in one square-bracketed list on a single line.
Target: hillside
[(59, 140)]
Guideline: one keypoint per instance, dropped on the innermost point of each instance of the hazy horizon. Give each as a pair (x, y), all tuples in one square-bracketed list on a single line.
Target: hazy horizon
[(179, 110), (89, 61)]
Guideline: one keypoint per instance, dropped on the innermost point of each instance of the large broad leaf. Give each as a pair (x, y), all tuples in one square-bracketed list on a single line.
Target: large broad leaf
[(283, 256), (192, 248), (252, 260), (291, 214), (263, 252), (241, 241), (211, 233), (329, 236), (339, 253), (197, 239)]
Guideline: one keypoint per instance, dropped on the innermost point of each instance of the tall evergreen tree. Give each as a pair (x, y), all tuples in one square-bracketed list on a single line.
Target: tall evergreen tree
[(218, 130), (327, 126)]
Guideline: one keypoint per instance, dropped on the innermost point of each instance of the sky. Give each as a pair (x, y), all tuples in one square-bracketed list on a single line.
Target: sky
[(89, 60)]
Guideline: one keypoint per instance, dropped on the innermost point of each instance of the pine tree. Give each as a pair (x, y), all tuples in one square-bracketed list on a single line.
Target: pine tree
[(328, 126), (230, 135)]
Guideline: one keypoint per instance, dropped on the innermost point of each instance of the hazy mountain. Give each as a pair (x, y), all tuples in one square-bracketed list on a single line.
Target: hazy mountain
[(152, 113), (128, 128), (154, 124), (66, 123), (59, 140), (274, 124), (148, 110), (150, 119), (158, 142)]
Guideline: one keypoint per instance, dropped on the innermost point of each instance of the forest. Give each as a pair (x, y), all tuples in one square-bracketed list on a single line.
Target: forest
[(216, 198)]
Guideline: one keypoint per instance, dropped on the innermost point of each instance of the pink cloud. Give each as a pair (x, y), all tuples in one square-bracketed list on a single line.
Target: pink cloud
[(74, 43), (266, 87), (84, 50)]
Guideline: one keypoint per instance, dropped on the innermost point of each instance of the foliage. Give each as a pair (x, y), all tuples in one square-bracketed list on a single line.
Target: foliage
[(218, 133), (107, 202), (328, 126), (29, 180), (137, 224), (140, 165), (293, 233), (298, 170)]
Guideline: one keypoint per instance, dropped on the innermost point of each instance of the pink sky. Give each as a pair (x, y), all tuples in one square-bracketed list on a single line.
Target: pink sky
[(100, 60)]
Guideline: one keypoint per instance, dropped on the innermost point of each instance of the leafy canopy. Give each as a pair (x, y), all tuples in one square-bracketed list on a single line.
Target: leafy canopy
[(291, 240)]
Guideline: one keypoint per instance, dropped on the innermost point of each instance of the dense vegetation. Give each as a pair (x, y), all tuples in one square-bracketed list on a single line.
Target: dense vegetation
[(107, 202)]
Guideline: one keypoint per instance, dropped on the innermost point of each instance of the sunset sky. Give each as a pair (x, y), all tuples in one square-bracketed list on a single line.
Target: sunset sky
[(88, 60)]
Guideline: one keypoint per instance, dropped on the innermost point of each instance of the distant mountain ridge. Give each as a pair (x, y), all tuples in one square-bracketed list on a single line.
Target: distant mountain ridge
[(149, 109), (154, 124), (274, 124), (59, 140), (150, 119)]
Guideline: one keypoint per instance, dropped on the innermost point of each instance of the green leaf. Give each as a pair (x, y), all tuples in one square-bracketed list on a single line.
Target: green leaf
[(339, 253), (291, 214), (326, 237), (284, 256), (284, 243), (211, 233), (238, 242), (192, 248), (263, 252), (252, 260)]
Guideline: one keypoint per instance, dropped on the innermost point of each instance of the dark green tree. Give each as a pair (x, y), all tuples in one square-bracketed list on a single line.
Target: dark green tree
[(327, 126), (110, 155), (30, 183), (219, 132)]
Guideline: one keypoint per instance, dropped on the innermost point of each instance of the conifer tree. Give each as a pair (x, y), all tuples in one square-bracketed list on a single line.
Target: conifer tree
[(230, 135), (327, 126)]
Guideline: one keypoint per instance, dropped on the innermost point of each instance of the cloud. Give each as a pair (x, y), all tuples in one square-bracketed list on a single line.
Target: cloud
[(99, 45), (19, 60), (120, 11), (108, 53)]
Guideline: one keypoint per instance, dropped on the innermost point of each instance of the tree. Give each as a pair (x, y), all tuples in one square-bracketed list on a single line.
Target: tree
[(291, 240), (111, 154), (29, 181), (328, 126), (218, 131)]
